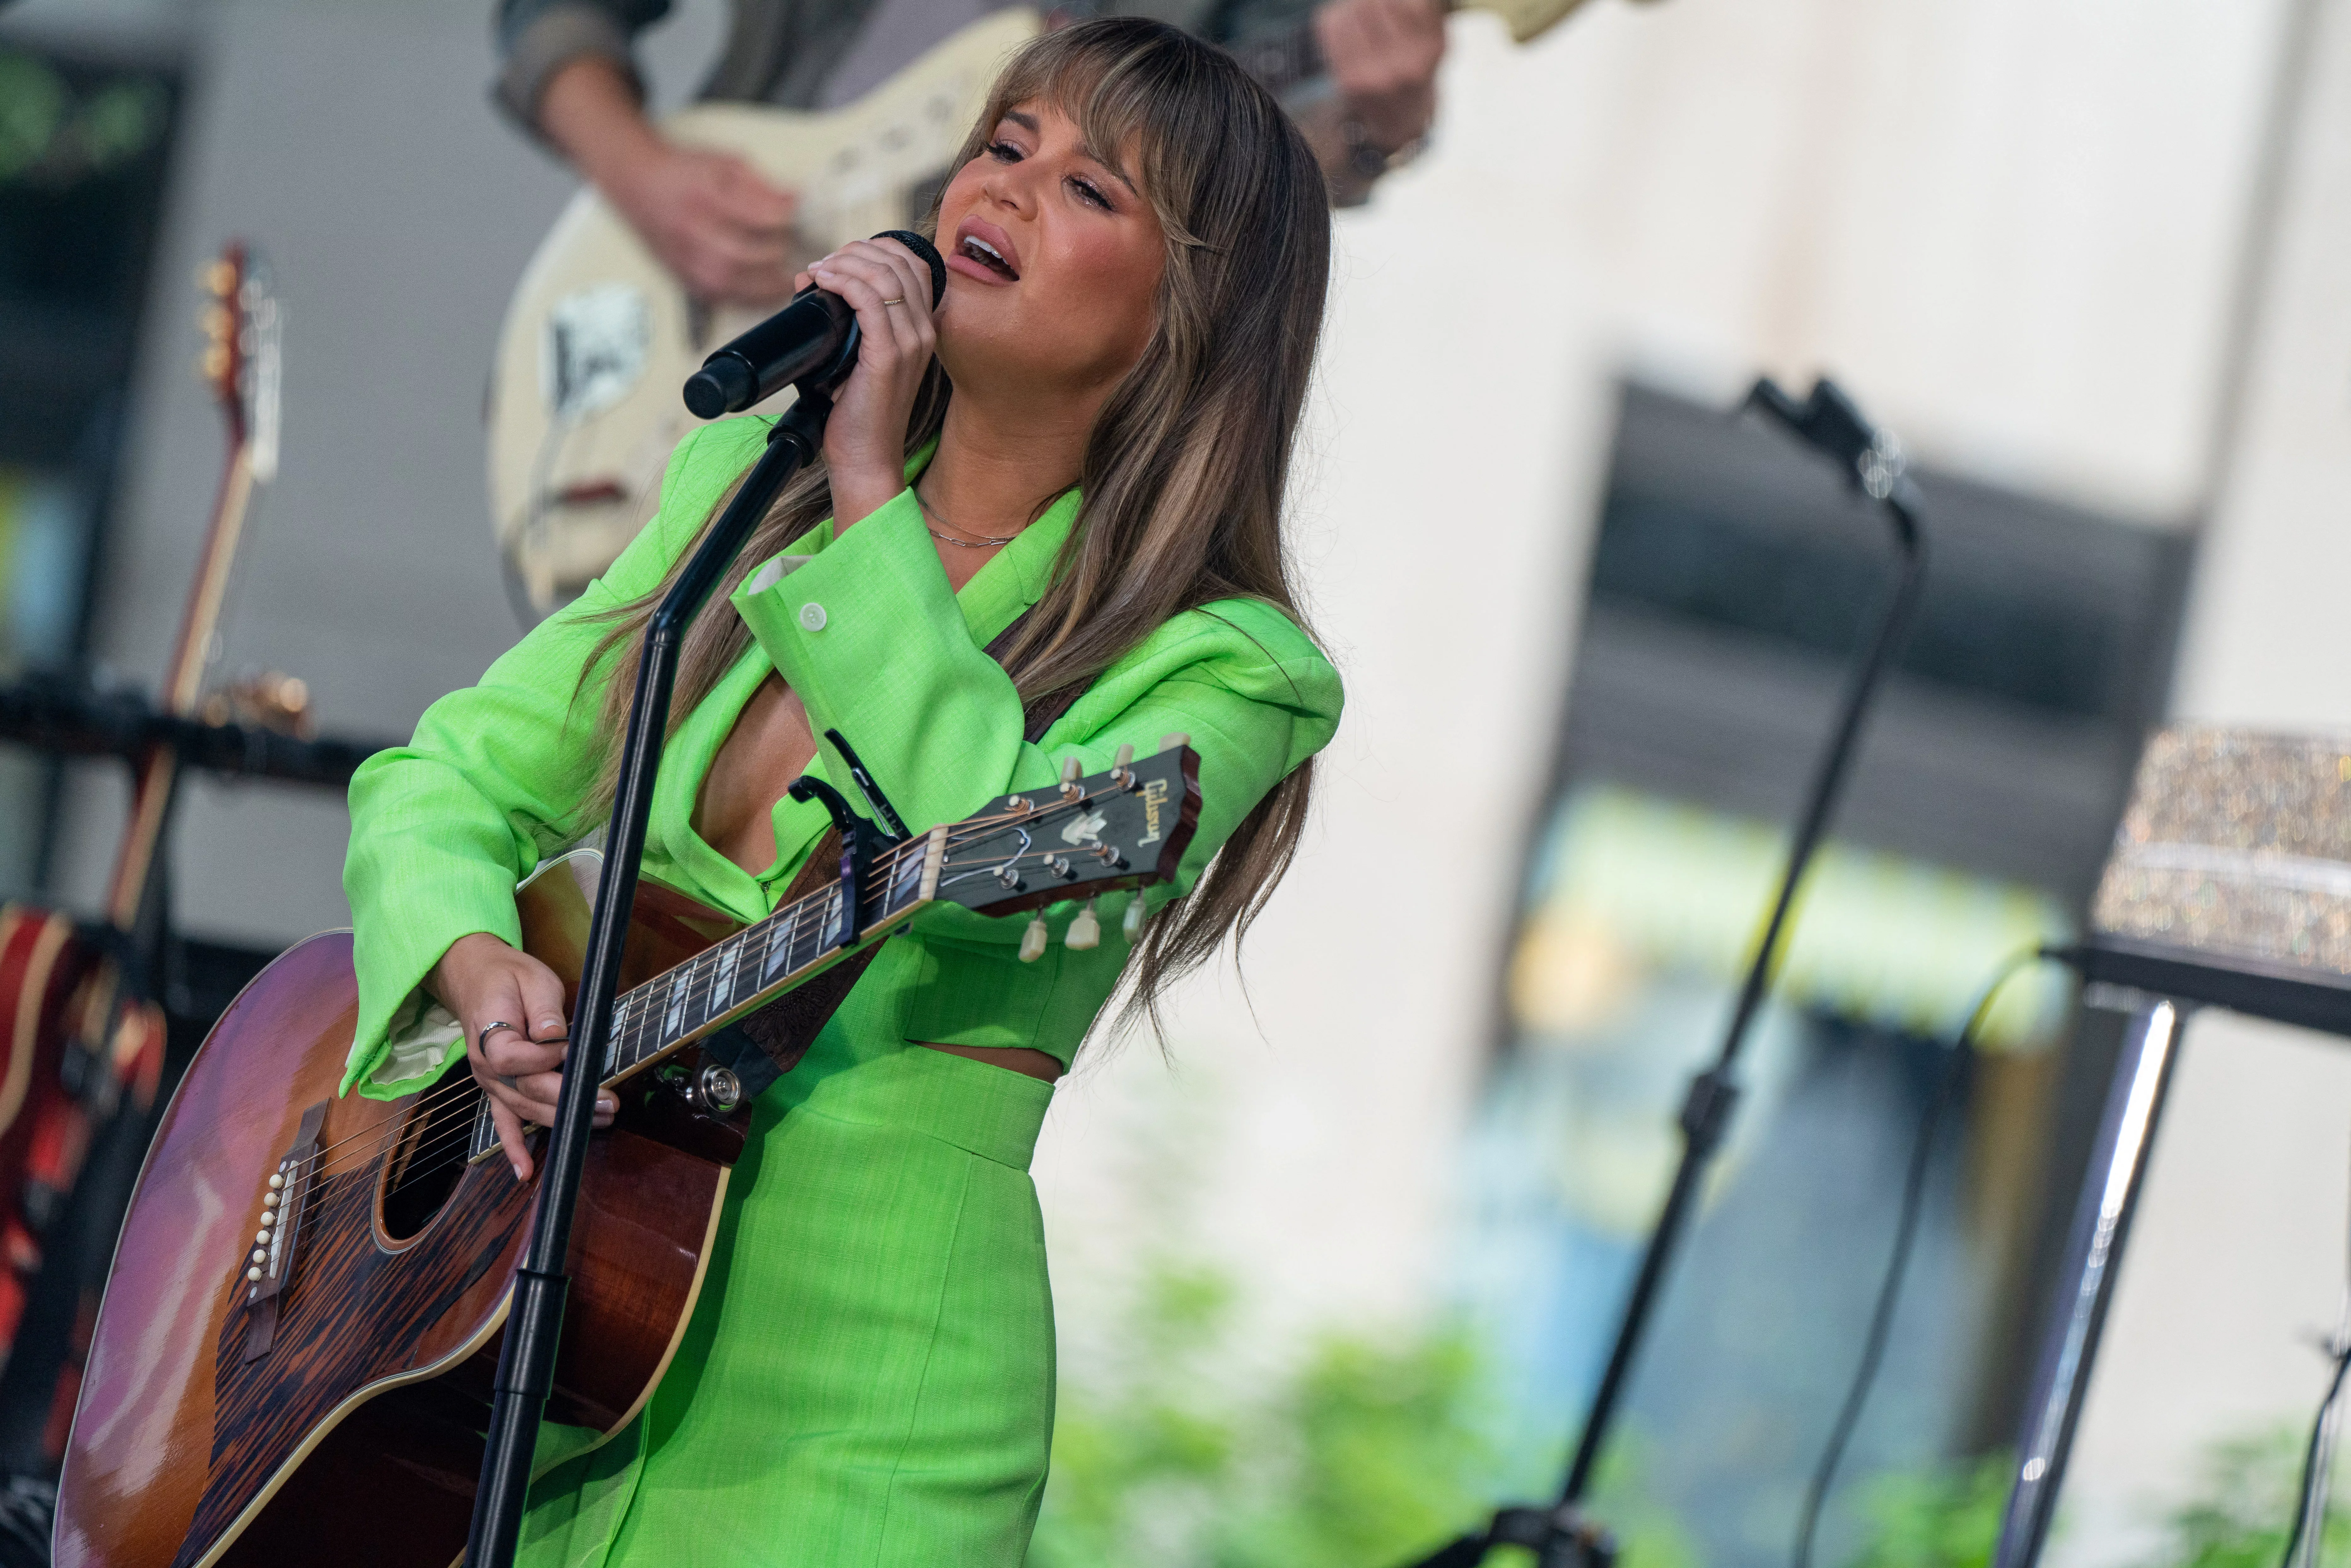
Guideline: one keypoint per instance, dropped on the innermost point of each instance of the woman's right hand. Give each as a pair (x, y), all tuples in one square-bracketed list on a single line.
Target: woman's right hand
[(865, 435), (492, 987)]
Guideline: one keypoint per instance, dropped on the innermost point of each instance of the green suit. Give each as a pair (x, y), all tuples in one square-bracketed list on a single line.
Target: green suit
[(868, 1378)]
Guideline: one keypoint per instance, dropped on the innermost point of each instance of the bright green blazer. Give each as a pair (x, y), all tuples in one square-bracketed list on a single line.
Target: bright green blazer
[(866, 630)]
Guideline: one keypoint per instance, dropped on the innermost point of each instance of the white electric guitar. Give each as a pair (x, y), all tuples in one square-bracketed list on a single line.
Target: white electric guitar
[(584, 405)]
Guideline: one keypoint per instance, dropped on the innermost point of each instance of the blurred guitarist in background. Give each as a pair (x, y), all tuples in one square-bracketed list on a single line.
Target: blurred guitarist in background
[(572, 79)]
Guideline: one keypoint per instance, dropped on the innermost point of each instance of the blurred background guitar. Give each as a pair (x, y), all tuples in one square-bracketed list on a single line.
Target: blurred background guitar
[(81, 1019)]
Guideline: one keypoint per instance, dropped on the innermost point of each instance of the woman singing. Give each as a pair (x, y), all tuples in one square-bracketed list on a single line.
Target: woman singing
[(1086, 447)]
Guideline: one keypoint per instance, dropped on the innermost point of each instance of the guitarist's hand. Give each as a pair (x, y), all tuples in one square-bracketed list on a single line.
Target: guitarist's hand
[(484, 981), (710, 218), (1384, 56)]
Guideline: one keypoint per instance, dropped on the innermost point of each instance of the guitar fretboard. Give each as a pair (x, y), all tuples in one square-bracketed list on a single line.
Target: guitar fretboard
[(761, 959), (751, 967)]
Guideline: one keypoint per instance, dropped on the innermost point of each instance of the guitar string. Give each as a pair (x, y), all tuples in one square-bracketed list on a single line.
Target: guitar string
[(629, 1014), (690, 986), (438, 1099), (680, 984), (697, 980), (686, 982), (667, 977), (681, 987), (430, 1154), (638, 1001), (692, 974), (433, 1154)]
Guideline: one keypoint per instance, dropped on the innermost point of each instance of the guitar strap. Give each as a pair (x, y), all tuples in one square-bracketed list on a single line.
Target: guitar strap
[(761, 1046)]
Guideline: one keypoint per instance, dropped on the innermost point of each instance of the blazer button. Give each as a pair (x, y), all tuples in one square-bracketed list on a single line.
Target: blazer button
[(812, 616)]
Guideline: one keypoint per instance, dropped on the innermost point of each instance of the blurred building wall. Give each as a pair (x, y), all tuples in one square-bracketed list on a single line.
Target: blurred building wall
[(2014, 231)]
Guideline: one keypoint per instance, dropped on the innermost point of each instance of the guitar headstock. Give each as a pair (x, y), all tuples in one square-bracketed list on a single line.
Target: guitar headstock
[(1124, 829), (240, 361)]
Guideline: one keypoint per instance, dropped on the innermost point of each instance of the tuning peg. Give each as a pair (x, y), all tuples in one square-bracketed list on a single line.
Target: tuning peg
[(1069, 769), (1170, 742), (1136, 913), (1032, 941), (1122, 768), (1085, 931), (217, 278)]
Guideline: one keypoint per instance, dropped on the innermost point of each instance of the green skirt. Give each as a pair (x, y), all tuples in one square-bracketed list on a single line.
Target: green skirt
[(868, 1377)]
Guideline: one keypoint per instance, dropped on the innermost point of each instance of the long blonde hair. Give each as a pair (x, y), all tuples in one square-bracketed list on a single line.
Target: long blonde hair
[(1185, 469)]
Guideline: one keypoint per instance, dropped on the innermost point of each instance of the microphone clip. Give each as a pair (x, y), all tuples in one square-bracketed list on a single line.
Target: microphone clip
[(1830, 422)]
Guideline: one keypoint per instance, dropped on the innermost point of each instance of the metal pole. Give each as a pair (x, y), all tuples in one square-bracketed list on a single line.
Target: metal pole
[(1828, 421), (526, 1372), (2087, 1283), (1875, 466)]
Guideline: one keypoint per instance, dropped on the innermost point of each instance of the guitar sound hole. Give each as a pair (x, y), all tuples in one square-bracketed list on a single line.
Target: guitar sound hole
[(423, 1171)]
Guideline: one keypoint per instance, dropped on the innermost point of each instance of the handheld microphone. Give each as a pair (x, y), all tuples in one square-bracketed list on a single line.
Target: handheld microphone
[(816, 331)]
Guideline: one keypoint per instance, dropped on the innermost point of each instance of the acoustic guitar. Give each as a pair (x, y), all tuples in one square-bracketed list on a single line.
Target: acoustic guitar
[(582, 409), (293, 1362), (83, 1034)]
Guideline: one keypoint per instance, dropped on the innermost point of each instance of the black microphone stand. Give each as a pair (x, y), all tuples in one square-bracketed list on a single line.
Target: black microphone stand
[(527, 1364), (1561, 1534)]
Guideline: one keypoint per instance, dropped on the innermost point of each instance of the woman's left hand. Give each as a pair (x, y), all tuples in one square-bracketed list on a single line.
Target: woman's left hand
[(865, 438)]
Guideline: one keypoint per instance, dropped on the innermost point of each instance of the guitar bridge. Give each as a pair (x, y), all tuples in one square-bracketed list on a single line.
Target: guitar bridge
[(272, 1260)]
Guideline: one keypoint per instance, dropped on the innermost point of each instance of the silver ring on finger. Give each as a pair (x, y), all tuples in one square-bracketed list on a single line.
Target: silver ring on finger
[(482, 1040)]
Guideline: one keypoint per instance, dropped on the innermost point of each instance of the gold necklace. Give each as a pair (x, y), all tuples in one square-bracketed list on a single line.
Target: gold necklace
[(976, 541)]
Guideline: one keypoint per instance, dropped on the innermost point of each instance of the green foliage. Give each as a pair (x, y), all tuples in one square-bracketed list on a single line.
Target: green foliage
[(2237, 1517), (1366, 1452), (1363, 1452), (1945, 1517), (2241, 1515)]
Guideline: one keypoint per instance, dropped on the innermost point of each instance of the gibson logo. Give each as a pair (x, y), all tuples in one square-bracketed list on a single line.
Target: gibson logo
[(1154, 795)]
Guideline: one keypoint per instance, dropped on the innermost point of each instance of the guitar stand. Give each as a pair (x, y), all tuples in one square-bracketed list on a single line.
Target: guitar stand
[(1828, 421)]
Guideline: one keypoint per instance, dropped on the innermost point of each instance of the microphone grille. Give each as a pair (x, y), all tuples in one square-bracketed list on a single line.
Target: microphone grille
[(928, 254)]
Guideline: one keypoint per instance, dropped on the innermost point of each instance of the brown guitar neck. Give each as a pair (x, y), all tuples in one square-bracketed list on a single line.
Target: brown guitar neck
[(242, 324)]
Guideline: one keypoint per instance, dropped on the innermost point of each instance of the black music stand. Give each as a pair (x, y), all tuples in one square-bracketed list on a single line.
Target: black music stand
[(2230, 886)]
